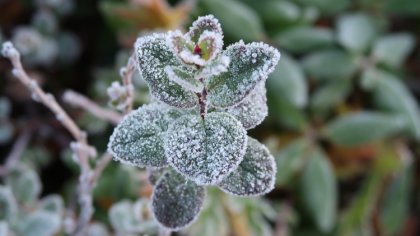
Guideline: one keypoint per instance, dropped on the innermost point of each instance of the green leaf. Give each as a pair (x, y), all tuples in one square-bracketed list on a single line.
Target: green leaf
[(396, 203), (304, 39), (393, 49), (327, 6), (124, 217), (250, 64), (40, 223), (393, 96), (356, 32), (290, 160), (255, 175), (277, 12), (25, 184), (319, 191), (285, 113), (8, 205), (205, 150), (253, 109), (176, 202), (329, 65), (363, 127), (4, 107), (137, 140), (288, 82), (330, 94), (233, 13), (153, 55)]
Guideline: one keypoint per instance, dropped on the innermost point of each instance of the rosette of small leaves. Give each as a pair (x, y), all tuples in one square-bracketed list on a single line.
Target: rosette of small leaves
[(195, 132)]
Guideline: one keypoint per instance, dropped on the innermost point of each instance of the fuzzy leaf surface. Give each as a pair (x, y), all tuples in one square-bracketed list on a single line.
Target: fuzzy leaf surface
[(255, 175), (137, 140), (249, 65), (253, 109), (153, 54), (204, 23), (176, 201), (206, 150)]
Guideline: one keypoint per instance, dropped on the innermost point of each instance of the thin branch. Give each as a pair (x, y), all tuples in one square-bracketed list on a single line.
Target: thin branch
[(126, 74), (13, 158), (100, 166), (78, 100), (81, 149)]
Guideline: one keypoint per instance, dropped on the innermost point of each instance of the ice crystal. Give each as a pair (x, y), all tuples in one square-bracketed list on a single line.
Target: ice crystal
[(253, 109), (231, 87), (205, 151), (137, 140), (176, 202), (255, 175), (153, 55)]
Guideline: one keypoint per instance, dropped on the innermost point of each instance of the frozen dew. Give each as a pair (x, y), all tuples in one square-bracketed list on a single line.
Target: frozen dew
[(185, 77), (215, 67), (205, 150), (211, 44), (137, 140), (253, 109), (255, 175), (176, 201), (153, 54), (205, 23), (190, 58), (250, 64)]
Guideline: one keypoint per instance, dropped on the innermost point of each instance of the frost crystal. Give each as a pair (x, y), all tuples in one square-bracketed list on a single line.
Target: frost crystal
[(255, 175), (253, 109), (205, 151), (244, 73), (153, 55), (137, 140), (176, 201)]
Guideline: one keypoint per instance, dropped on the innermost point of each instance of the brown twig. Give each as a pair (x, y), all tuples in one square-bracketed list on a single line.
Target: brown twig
[(126, 74), (78, 100)]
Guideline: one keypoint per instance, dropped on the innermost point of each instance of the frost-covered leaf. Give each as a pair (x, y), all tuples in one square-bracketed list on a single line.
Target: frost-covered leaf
[(25, 185), (253, 109), (215, 67), (210, 44), (255, 175), (137, 140), (185, 77), (97, 229), (124, 219), (153, 55), (249, 65), (4, 228), (205, 150), (393, 49), (356, 32), (40, 223), (205, 23), (8, 204), (53, 204), (176, 201)]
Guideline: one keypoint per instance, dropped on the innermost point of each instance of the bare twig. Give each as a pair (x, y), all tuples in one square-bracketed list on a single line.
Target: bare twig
[(81, 149), (126, 74), (78, 100), (16, 152)]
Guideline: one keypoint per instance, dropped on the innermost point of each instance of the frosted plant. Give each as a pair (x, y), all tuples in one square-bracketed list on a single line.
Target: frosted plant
[(195, 132)]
